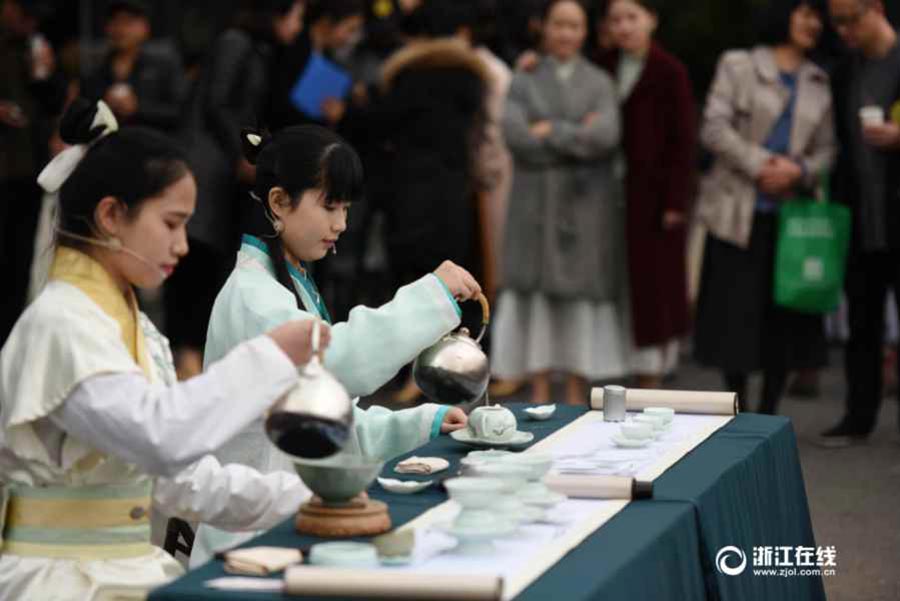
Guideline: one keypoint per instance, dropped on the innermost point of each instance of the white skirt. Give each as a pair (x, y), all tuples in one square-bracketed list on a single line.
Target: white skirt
[(128, 579), (533, 333)]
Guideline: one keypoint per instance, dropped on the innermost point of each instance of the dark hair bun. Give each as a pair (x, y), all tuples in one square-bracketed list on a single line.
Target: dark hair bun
[(75, 127), (253, 142)]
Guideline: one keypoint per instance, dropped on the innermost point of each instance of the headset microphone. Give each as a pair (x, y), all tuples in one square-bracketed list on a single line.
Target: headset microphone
[(115, 245)]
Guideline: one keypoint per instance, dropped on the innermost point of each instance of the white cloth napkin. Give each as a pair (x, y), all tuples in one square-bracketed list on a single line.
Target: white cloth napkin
[(261, 561), (422, 465)]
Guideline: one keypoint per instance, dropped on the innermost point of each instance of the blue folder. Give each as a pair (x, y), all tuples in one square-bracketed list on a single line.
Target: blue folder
[(321, 79)]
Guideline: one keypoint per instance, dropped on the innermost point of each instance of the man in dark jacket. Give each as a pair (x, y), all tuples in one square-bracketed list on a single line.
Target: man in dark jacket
[(142, 85), (868, 178)]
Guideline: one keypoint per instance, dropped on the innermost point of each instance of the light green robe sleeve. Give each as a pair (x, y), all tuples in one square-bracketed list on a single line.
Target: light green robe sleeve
[(365, 351)]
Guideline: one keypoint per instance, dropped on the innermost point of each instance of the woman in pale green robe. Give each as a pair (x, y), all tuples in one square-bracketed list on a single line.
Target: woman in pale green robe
[(306, 178)]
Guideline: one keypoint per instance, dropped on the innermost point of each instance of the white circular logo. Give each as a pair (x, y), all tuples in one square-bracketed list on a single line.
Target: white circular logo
[(726, 553)]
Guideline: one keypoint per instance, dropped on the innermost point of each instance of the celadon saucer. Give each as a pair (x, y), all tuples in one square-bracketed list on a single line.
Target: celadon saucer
[(529, 514), (403, 487), (630, 443), (400, 560), (478, 540), (542, 412), (520, 438), (344, 554), (545, 499)]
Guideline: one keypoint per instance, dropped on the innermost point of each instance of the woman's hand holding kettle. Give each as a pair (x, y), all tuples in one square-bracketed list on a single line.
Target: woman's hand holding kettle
[(294, 338), (459, 281)]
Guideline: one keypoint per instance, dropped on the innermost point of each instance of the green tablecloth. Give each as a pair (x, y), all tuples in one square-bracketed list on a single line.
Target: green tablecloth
[(741, 487)]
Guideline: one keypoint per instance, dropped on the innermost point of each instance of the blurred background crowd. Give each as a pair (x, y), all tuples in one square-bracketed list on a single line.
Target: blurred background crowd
[(610, 170)]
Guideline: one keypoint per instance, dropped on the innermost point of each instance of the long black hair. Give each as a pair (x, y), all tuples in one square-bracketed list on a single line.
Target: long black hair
[(774, 24), (335, 10), (298, 159), (133, 165), (256, 16)]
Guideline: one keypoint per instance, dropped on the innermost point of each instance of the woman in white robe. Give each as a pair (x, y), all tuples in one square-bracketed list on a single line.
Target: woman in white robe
[(307, 176), (95, 433)]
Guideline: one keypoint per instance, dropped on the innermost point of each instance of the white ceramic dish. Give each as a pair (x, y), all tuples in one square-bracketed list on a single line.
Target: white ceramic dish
[(629, 443), (518, 439), (541, 413), (403, 487), (488, 456)]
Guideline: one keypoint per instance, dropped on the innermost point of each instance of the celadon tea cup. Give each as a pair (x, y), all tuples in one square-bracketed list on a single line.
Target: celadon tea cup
[(514, 477), (538, 464), (636, 431), (657, 422), (492, 423), (476, 497), (667, 413), (476, 458)]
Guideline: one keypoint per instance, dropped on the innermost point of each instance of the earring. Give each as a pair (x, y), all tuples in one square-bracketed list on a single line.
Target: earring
[(334, 249), (277, 225), (114, 244)]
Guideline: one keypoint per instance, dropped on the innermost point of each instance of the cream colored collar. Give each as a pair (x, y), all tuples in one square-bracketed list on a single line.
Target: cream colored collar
[(85, 273)]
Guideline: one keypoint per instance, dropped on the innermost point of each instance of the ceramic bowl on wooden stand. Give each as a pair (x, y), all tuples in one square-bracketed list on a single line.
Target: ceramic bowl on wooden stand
[(338, 508)]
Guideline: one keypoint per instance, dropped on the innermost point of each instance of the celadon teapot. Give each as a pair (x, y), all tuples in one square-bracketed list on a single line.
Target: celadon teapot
[(455, 369)]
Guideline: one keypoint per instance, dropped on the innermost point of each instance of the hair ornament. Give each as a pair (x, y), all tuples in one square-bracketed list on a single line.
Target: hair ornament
[(102, 123)]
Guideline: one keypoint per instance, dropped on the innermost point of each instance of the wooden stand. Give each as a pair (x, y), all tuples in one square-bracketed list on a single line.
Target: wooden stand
[(360, 517)]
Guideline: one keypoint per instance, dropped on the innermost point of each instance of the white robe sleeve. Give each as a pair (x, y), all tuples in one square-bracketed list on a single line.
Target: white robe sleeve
[(164, 430), (230, 497)]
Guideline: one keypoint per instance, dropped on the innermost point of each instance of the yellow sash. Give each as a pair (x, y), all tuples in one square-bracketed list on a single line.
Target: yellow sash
[(82, 271), (107, 521)]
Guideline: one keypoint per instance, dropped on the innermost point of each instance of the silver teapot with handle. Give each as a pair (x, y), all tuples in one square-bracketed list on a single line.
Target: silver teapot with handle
[(315, 417), (455, 370)]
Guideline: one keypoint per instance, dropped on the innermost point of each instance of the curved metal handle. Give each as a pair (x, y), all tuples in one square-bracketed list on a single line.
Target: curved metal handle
[(317, 339), (485, 315)]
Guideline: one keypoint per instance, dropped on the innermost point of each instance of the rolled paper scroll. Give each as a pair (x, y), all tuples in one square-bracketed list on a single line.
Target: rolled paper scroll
[(599, 487), (701, 402), (387, 584)]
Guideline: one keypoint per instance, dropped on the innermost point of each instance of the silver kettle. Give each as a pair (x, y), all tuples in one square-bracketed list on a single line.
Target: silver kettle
[(455, 370), (315, 417)]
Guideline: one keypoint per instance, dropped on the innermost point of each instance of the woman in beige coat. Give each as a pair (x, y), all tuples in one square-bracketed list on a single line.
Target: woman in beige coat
[(768, 123)]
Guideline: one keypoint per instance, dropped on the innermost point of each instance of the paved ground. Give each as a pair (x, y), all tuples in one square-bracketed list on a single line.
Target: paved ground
[(854, 494)]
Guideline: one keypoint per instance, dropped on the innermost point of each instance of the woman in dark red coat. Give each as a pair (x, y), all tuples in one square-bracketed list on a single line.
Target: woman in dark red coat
[(659, 140)]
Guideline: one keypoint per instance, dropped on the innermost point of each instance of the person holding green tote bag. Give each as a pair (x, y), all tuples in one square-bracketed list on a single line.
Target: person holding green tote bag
[(768, 125), (812, 253)]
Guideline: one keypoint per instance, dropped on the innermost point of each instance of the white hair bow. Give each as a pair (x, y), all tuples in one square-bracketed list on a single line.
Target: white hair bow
[(61, 167)]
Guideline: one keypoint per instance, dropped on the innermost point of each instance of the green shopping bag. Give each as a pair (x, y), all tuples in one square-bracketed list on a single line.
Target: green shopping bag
[(810, 257)]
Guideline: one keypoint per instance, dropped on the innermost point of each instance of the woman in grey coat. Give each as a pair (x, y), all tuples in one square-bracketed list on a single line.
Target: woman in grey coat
[(563, 251)]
